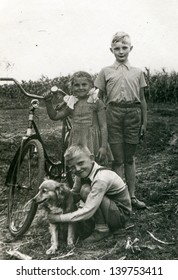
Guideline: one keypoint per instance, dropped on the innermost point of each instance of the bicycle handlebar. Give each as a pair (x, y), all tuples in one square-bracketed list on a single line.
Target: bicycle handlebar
[(25, 92)]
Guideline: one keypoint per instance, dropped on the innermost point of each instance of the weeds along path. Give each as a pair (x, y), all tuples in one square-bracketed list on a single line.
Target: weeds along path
[(157, 185)]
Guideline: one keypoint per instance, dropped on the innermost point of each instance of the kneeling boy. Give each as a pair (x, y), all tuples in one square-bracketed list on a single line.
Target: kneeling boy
[(106, 197)]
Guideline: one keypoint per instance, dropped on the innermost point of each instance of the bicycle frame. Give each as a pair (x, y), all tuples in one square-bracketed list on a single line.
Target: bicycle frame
[(50, 166), (28, 168)]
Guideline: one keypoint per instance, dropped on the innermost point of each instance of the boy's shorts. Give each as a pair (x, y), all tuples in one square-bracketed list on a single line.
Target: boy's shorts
[(123, 124)]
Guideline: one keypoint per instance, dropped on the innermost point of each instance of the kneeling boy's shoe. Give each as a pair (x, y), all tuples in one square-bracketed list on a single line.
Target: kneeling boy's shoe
[(137, 203), (97, 236)]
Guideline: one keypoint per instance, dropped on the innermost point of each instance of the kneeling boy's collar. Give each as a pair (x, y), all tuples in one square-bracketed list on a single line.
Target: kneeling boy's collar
[(93, 170)]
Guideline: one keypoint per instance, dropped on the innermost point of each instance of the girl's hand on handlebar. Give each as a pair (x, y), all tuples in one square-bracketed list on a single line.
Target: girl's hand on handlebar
[(48, 95)]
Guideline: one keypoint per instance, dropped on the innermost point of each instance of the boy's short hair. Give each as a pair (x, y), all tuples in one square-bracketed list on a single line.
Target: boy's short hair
[(121, 37), (72, 150)]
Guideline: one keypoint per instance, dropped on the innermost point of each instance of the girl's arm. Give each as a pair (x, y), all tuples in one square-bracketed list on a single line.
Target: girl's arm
[(102, 96), (56, 115), (104, 133)]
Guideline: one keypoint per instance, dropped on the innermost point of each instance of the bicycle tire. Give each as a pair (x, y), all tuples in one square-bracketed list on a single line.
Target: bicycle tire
[(26, 178)]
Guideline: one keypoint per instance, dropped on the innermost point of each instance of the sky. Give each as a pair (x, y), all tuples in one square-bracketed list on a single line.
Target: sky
[(58, 37)]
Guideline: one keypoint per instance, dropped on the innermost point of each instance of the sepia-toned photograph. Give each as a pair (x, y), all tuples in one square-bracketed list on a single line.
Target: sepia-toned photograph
[(89, 130)]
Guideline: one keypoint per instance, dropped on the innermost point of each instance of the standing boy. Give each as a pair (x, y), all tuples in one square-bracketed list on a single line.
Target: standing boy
[(122, 87)]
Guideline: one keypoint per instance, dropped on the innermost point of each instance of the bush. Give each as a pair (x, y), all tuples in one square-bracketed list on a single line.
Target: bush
[(11, 97), (162, 88)]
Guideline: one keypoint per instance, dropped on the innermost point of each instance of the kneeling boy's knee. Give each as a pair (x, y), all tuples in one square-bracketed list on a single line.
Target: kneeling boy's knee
[(85, 190)]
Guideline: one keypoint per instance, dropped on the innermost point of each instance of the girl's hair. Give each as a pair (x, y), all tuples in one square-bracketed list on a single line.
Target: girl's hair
[(121, 37), (72, 150), (81, 74)]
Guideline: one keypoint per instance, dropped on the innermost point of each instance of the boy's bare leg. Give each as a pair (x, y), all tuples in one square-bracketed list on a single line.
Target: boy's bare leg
[(118, 154), (119, 169), (100, 223), (130, 174), (101, 230), (123, 154)]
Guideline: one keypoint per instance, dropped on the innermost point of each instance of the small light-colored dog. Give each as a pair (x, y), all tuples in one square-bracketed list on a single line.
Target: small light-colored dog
[(57, 199)]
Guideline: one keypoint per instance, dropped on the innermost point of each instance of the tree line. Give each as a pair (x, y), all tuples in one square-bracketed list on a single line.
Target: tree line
[(162, 87)]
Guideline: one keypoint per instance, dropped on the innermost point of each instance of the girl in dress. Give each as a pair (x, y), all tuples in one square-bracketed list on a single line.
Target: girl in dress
[(87, 113)]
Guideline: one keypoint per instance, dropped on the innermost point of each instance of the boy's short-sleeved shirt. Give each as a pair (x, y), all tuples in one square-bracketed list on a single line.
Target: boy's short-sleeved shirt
[(121, 82)]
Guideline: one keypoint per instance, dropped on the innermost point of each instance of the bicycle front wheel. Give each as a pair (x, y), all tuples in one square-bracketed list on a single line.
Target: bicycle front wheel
[(28, 174)]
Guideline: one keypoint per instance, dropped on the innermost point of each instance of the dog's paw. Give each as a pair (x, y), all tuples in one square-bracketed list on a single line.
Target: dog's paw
[(51, 251)]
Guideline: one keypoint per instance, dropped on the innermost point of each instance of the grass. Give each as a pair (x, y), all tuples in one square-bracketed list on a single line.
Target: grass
[(157, 185)]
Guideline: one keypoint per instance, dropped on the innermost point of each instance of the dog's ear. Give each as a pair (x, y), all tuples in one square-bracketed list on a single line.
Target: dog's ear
[(62, 190)]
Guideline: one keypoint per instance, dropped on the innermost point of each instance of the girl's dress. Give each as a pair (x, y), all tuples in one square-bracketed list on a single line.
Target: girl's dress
[(85, 126)]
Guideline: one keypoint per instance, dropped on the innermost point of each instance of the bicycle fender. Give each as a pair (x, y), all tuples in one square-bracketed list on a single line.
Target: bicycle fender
[(14, 160)]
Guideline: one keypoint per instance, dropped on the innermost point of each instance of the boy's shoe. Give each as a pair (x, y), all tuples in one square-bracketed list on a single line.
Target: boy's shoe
[(137, 203), (97, 236)]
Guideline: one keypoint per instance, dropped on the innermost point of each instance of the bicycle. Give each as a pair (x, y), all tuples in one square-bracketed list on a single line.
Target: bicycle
[(29, 166)]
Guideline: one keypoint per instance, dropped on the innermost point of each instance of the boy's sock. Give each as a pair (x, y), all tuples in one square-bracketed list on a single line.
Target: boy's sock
[(101, 227)]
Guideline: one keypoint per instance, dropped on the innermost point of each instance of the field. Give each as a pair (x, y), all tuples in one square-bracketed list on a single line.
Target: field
[(150, 233)]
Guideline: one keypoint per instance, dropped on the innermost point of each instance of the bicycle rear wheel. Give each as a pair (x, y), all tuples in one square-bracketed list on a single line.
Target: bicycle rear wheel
[(28, 174)]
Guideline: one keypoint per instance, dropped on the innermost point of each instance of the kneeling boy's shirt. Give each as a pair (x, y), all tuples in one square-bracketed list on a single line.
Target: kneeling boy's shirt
[(104, 182)]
